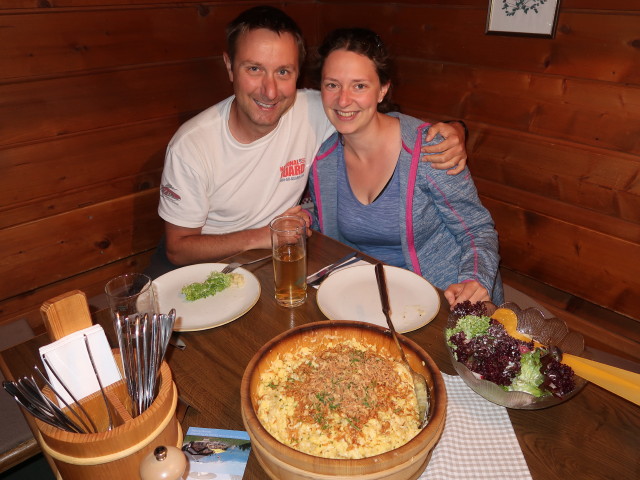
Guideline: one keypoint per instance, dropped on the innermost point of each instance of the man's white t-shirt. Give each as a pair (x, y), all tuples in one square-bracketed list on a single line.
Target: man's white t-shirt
[(211, 180)]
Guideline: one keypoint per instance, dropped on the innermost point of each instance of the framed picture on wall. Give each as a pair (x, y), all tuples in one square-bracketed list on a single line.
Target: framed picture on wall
[(531, 18)]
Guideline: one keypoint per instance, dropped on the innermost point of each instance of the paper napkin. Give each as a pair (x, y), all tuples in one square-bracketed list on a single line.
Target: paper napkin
[(70, 359)]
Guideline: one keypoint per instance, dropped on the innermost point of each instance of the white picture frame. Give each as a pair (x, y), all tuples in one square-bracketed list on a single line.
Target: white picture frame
[(531, 18)]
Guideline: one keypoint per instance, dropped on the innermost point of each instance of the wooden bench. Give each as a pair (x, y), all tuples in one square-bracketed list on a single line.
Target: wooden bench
[(16, 440)]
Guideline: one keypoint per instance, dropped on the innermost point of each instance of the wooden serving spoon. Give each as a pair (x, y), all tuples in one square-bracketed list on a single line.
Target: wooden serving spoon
[(621, 382), (419, 382)]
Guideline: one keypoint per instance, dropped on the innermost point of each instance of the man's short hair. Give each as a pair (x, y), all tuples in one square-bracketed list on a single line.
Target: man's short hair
[(267, 17)]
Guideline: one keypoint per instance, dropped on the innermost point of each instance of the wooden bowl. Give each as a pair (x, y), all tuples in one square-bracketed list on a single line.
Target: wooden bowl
[(282, 462)]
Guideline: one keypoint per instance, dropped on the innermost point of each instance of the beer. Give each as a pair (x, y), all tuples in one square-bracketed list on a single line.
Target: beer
[(288, 240), (289, 270)]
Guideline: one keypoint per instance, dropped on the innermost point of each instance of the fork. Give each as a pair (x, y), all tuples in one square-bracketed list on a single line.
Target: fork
[(232, 266)]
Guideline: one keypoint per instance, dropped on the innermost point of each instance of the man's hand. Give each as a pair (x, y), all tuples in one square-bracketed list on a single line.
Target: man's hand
[(472, 291), (302, 213), (450, 154)]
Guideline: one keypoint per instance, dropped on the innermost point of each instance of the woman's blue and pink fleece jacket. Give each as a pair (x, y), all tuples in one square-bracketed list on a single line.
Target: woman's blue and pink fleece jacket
[(447, 235)]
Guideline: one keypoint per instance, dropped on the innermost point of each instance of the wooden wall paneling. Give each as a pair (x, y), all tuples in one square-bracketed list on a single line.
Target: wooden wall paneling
[(99, 35), (49, 177), (565, 212), (233, 7), (604, 182), (48, 250), (27, 305), (456, 35), (612, 5), (73, 40), (598, 5), (602, 328), (70, 200), (603, 115), (612, 51), (589, 264), (60, 106)]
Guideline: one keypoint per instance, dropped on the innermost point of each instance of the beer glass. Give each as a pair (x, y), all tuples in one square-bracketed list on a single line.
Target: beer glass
[(288, 239)]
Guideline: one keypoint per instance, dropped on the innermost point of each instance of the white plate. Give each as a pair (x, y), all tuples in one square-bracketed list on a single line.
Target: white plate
[(352, 294), (209, 312)]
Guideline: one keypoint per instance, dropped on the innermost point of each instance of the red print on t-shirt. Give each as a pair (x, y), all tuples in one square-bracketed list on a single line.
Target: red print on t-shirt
[(292, 169)]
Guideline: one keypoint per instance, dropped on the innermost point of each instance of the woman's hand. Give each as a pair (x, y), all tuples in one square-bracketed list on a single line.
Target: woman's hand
[(471, 290), (449, 154)]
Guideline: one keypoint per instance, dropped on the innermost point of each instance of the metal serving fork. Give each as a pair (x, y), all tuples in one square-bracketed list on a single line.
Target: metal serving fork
[(232, 266)]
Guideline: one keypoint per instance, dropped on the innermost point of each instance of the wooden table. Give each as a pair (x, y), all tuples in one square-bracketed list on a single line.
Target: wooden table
[(595, 435)]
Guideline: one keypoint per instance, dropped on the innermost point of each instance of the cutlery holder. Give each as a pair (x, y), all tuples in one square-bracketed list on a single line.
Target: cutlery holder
[(116, 453)]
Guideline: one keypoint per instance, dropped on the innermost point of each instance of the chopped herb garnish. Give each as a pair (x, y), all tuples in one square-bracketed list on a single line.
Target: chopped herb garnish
[(215, 283)]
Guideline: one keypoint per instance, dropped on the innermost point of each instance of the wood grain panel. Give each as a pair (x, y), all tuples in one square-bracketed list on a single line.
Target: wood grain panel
[(45, 251), (81, 40), (613, 5), (27, 304), (565, 212), (604, 182), (85, 39), (456, 35), (77, 103), (45, 207), (589, 264), (598, 5), (78, 170), (559, 108), (602, 328)]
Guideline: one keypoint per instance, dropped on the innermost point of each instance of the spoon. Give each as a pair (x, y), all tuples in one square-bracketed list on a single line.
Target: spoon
[(419, 382)]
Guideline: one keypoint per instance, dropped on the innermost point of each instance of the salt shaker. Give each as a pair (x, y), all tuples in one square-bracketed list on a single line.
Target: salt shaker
[(164, 463)]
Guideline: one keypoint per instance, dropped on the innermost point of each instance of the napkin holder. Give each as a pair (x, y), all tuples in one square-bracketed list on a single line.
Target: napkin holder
[(107, 454)]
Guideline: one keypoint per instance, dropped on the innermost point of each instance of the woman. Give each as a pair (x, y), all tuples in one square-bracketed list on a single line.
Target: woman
[(371, 191)]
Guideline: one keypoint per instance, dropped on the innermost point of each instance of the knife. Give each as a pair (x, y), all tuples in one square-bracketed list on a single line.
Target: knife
[(320, 273), (340, 266)]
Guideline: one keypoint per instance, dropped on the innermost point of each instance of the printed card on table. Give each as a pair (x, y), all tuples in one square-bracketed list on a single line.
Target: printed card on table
[(215, 453)]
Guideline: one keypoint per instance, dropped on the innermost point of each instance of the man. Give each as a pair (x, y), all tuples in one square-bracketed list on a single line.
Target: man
[(234, 167)]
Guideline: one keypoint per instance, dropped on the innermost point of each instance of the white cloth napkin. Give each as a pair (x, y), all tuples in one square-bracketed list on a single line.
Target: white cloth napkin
[(478, 441)]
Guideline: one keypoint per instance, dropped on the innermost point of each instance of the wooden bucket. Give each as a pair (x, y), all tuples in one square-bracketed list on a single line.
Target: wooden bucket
[(116, 453)]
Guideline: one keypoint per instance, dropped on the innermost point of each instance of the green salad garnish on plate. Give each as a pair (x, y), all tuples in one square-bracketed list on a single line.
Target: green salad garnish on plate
[(215, 283)]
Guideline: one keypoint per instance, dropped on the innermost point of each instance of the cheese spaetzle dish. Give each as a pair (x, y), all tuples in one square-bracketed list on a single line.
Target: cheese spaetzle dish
[(338, 399)]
